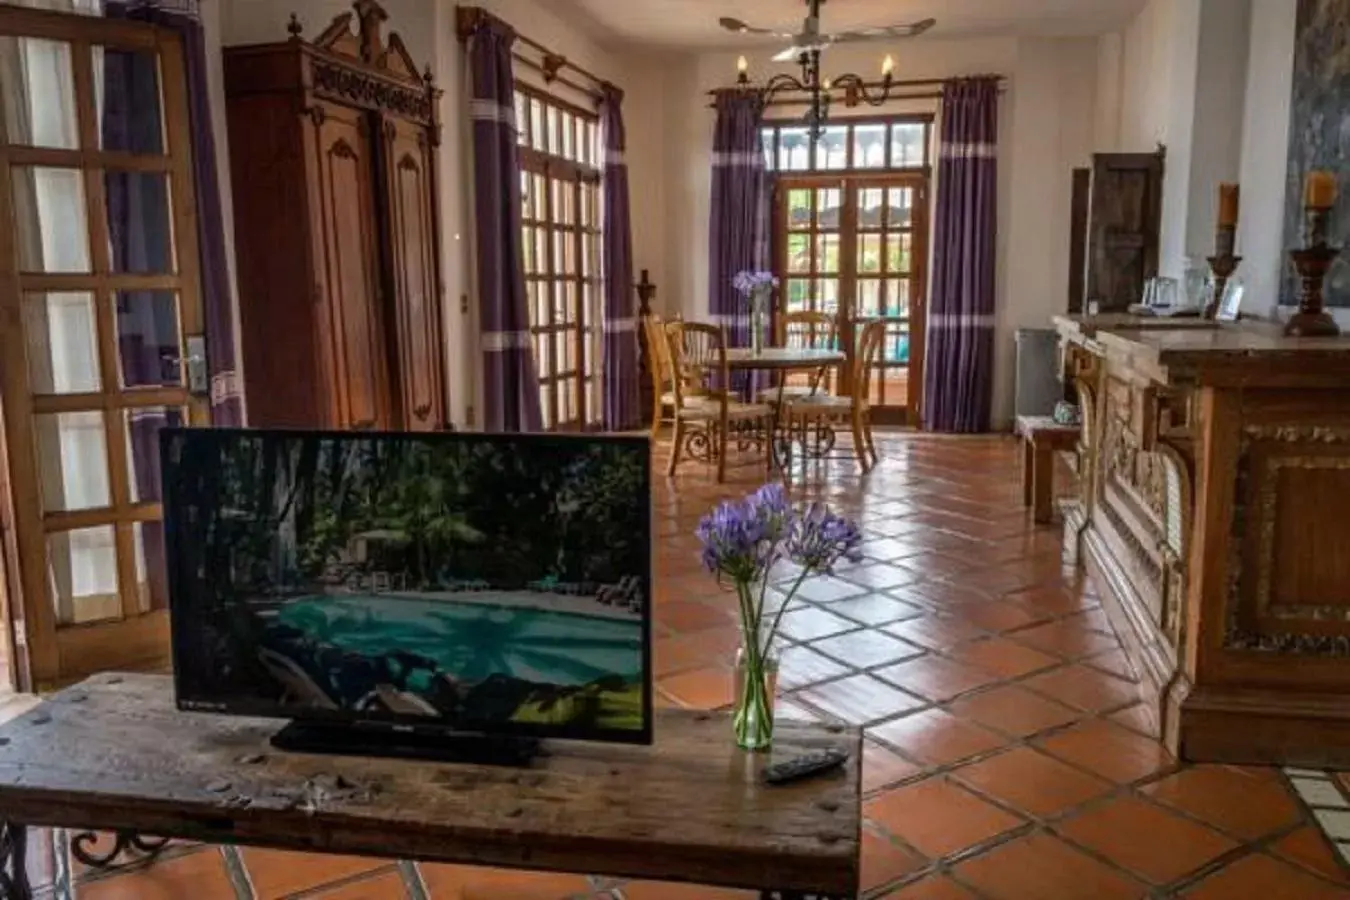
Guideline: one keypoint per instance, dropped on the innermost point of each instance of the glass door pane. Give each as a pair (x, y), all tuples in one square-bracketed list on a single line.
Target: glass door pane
[(50, 219), (885, 216), (37, 90), (129, 101), (62, 337)]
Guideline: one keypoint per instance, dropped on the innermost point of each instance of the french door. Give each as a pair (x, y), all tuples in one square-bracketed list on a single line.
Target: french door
[(100, 330), (856, 247), (560, 178)]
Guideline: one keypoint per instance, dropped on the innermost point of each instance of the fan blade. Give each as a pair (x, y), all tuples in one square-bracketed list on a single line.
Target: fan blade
[(892, 31), (789, 53), (740, 27)]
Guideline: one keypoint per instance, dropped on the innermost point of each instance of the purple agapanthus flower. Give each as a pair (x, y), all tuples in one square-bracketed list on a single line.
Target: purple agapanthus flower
[(819, 539), (743, 540), (749, 282)]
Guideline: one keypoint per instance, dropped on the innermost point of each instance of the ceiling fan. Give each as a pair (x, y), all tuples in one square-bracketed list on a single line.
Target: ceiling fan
[(806, 48), (811, 38)]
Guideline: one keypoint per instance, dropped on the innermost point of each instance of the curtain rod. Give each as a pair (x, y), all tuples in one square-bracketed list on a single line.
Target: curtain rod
[(894, 98), (595, 95), (470, 18), (895, 82)]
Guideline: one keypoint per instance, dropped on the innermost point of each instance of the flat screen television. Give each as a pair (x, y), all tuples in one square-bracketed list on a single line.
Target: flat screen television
[(438, 584)]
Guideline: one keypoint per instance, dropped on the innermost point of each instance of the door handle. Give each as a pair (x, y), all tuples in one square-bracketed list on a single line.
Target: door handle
[(198, 375)]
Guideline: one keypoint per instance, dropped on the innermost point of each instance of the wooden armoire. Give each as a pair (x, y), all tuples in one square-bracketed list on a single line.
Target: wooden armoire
[(333, 160)]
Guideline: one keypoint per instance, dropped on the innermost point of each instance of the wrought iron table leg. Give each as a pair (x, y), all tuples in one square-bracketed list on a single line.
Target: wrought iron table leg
[(14, 862), (82, 848)]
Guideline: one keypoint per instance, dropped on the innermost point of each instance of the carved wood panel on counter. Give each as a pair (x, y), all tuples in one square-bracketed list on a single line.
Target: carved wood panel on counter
[(1290, 592), (334, 172)]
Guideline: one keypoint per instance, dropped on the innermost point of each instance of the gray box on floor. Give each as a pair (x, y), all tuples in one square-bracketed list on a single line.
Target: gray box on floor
[(1038, 387)]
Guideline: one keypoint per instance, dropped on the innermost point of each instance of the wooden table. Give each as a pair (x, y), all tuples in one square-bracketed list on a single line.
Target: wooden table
[(782, 361), (113, 754), (1042, 437)]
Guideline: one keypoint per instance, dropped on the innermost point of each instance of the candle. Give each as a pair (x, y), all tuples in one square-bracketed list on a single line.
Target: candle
[(1228, 205), (1319, 191)]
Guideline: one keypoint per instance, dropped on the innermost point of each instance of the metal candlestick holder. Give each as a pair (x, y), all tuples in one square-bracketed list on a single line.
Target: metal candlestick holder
[(1222, 264), (1312, 263)]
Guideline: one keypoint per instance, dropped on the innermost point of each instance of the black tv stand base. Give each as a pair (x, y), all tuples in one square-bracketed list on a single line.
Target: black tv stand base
[(345, 740)]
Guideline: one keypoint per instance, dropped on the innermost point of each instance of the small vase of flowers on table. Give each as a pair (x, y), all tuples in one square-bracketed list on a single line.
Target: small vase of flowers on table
[(756, 288), (743, 541)]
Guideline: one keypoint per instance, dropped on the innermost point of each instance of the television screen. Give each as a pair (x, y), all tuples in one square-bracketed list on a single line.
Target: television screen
[(476, 583)]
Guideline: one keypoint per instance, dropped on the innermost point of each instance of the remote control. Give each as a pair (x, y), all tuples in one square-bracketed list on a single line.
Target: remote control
[(804, 766)]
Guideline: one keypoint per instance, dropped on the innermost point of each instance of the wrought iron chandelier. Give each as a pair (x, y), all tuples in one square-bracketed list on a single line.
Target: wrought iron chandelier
[(806, 49)]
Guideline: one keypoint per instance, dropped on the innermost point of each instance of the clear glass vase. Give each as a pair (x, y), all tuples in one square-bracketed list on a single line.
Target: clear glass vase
[(757, 331), (756, 687)]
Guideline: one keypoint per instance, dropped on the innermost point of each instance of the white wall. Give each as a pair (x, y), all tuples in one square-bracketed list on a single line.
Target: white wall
[(1047, 125), (1265, 152), (1146, 75), (1233, 116), (1110, 90), (1220, 96)]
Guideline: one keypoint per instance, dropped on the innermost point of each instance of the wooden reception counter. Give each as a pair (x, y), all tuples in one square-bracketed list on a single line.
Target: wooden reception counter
[(1214, 516)]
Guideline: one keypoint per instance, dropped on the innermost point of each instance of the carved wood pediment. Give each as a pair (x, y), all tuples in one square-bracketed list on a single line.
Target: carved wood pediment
[(355, 63), (365, 43)]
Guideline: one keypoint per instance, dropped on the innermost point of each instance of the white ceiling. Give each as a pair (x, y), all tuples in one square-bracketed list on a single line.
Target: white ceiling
[(692, 24)]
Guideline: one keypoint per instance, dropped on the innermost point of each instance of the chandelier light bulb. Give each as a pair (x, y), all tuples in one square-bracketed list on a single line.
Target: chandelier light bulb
[(887, 66), (742, 65)]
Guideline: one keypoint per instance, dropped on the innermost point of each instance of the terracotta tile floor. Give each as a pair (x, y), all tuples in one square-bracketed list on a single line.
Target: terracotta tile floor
[(1008, 757)]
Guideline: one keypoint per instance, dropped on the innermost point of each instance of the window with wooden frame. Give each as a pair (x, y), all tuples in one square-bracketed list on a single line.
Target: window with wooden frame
[(852, 237), (99, 293), (560, 162)]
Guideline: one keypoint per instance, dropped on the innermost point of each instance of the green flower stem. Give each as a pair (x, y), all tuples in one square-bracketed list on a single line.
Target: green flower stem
[(754, 715), (753, 722), (778, 617)]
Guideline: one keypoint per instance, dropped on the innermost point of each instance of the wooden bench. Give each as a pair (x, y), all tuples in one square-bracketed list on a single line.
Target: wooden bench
[(114, 754), (1042, 437)]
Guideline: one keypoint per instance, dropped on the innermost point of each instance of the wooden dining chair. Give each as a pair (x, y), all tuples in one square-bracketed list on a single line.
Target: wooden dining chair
[(663, 373), (805, 330), (803, 412), (704, 411)]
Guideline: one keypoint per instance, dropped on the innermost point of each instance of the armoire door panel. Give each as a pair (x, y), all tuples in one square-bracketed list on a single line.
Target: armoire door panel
[(1124, 226), (412, 254), (349, 268)]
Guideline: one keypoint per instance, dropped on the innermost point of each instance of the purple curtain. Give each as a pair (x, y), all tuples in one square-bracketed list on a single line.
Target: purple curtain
[(140, 237), (621, 349), (738, 226), (510, 379), (130, 83), (959, 371)]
